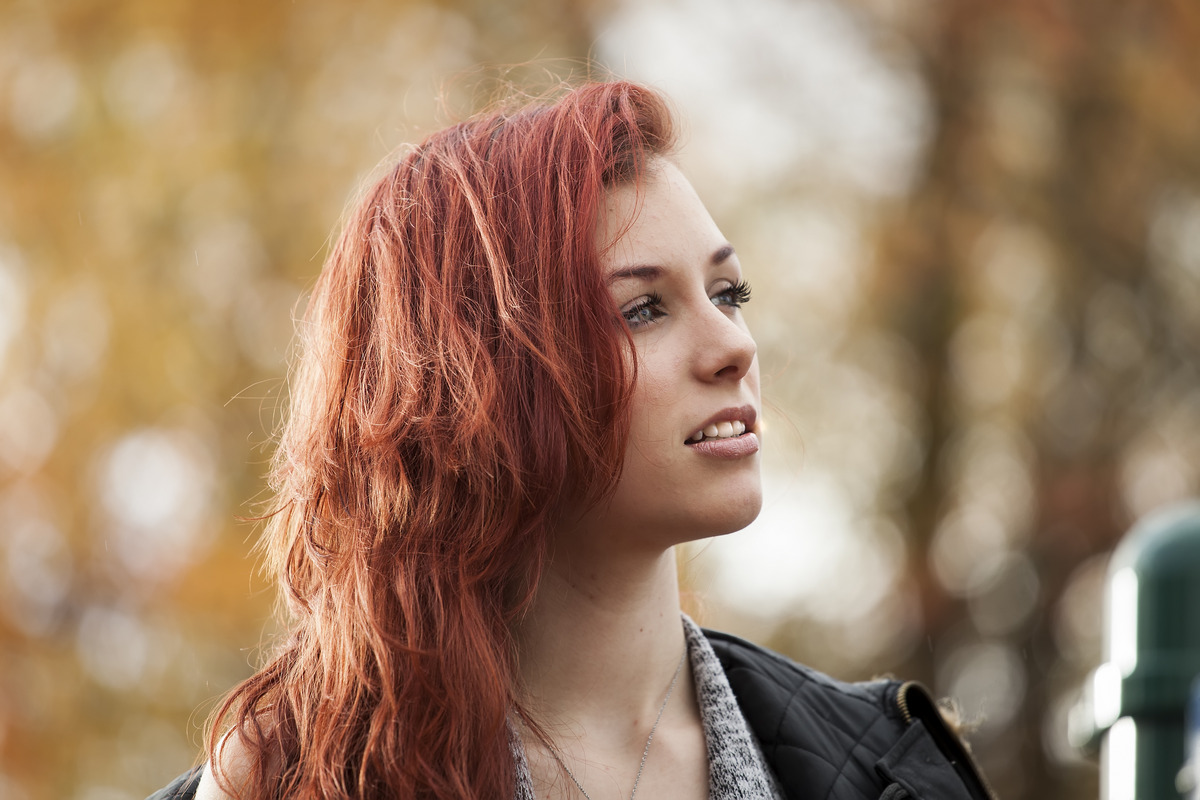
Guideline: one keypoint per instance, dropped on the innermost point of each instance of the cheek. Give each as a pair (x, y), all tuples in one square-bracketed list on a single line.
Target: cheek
[(650, 431), (655, 392)]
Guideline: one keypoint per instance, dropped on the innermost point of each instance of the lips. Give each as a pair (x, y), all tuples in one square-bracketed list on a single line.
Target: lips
[(728, 423)]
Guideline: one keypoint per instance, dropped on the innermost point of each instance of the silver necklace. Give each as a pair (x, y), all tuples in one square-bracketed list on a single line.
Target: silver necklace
[(645, 750)]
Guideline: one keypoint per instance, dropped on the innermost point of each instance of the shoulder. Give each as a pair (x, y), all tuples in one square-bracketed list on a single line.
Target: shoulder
[(787, 701), (828, 738), (195, 784), (234, 767), (208, 788), (199, 783)]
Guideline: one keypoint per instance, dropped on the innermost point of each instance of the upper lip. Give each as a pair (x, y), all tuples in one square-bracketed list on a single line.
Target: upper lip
[(747, 414)]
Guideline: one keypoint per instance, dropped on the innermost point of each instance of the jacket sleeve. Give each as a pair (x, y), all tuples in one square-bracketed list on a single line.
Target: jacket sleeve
[(182, 788)]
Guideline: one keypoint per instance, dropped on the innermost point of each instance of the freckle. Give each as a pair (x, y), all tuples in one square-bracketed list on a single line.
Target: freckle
[(641, 630)]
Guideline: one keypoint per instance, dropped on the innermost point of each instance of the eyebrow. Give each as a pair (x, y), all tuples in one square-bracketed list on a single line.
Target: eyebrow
[(643, 272), (651, 272)]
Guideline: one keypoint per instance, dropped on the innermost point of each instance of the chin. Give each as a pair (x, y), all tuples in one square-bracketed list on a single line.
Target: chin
[(729, 518), (742, 520)]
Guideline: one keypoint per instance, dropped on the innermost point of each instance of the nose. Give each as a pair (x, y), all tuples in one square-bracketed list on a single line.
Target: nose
[(725, 349)]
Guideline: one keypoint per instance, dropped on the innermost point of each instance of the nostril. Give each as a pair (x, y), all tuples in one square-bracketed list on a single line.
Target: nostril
[(728, 371)]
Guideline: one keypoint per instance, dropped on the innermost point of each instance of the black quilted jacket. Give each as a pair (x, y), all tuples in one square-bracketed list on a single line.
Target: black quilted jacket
[(825, 740)]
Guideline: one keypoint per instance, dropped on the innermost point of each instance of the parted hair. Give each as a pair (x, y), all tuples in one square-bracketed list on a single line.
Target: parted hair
[(461, 384)]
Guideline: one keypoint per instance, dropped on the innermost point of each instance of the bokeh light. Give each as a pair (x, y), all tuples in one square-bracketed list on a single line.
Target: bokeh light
[(974, 236)]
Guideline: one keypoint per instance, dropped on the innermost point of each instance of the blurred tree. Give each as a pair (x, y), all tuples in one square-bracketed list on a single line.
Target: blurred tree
[(1056, 341)]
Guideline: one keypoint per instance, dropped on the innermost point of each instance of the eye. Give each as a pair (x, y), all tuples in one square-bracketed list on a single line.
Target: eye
[(734, 296), (645, 311)]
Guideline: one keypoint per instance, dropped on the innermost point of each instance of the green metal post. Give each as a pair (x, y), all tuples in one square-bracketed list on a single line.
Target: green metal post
[(1152, 647)]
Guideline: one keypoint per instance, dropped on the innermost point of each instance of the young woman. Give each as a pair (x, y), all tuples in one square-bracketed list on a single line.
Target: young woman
[(525, 378)]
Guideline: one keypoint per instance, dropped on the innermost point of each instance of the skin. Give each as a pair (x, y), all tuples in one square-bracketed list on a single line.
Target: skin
[(601, 644), (599, 648)]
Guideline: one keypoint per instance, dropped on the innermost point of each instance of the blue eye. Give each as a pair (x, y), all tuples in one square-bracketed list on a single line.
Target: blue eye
[(734, 296), (644, 311)]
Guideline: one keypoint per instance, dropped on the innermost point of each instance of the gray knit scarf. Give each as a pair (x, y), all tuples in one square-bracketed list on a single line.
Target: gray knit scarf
[(736, 767)]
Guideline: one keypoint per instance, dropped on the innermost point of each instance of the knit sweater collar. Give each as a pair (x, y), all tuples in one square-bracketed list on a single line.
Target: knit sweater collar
[(736, 767)]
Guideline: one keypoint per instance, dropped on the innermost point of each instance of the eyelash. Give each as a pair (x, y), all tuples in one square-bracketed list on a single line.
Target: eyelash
[(738, 295), (739, 292), (652, 302)]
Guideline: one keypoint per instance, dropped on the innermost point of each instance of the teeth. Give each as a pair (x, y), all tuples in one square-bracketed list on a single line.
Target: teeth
[(719, 430)]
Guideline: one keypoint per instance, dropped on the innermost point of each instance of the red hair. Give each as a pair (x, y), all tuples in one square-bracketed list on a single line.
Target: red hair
[(462, 384)]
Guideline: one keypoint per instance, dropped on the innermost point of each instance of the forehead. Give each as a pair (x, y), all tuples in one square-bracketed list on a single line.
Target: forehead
[(660, 221)]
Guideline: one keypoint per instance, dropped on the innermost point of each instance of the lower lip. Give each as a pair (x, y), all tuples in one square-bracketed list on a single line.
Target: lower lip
[(732, 448)]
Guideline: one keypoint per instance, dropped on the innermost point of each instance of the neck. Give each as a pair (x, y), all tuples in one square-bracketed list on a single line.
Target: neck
[(602, 640)]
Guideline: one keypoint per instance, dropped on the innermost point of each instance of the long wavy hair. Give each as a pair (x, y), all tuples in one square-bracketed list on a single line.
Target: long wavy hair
[(461, 385)]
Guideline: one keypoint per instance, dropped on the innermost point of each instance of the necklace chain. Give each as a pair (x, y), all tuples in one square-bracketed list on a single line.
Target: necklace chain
[(645, 750)]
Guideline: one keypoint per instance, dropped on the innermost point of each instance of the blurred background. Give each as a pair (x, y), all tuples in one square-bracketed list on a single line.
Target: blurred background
[(973, 229)]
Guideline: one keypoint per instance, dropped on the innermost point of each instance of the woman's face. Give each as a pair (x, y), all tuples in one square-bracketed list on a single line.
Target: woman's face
[(691, 463)]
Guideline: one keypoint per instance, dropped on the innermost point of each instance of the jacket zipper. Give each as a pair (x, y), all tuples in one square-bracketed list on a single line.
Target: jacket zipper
[(902, 701)]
